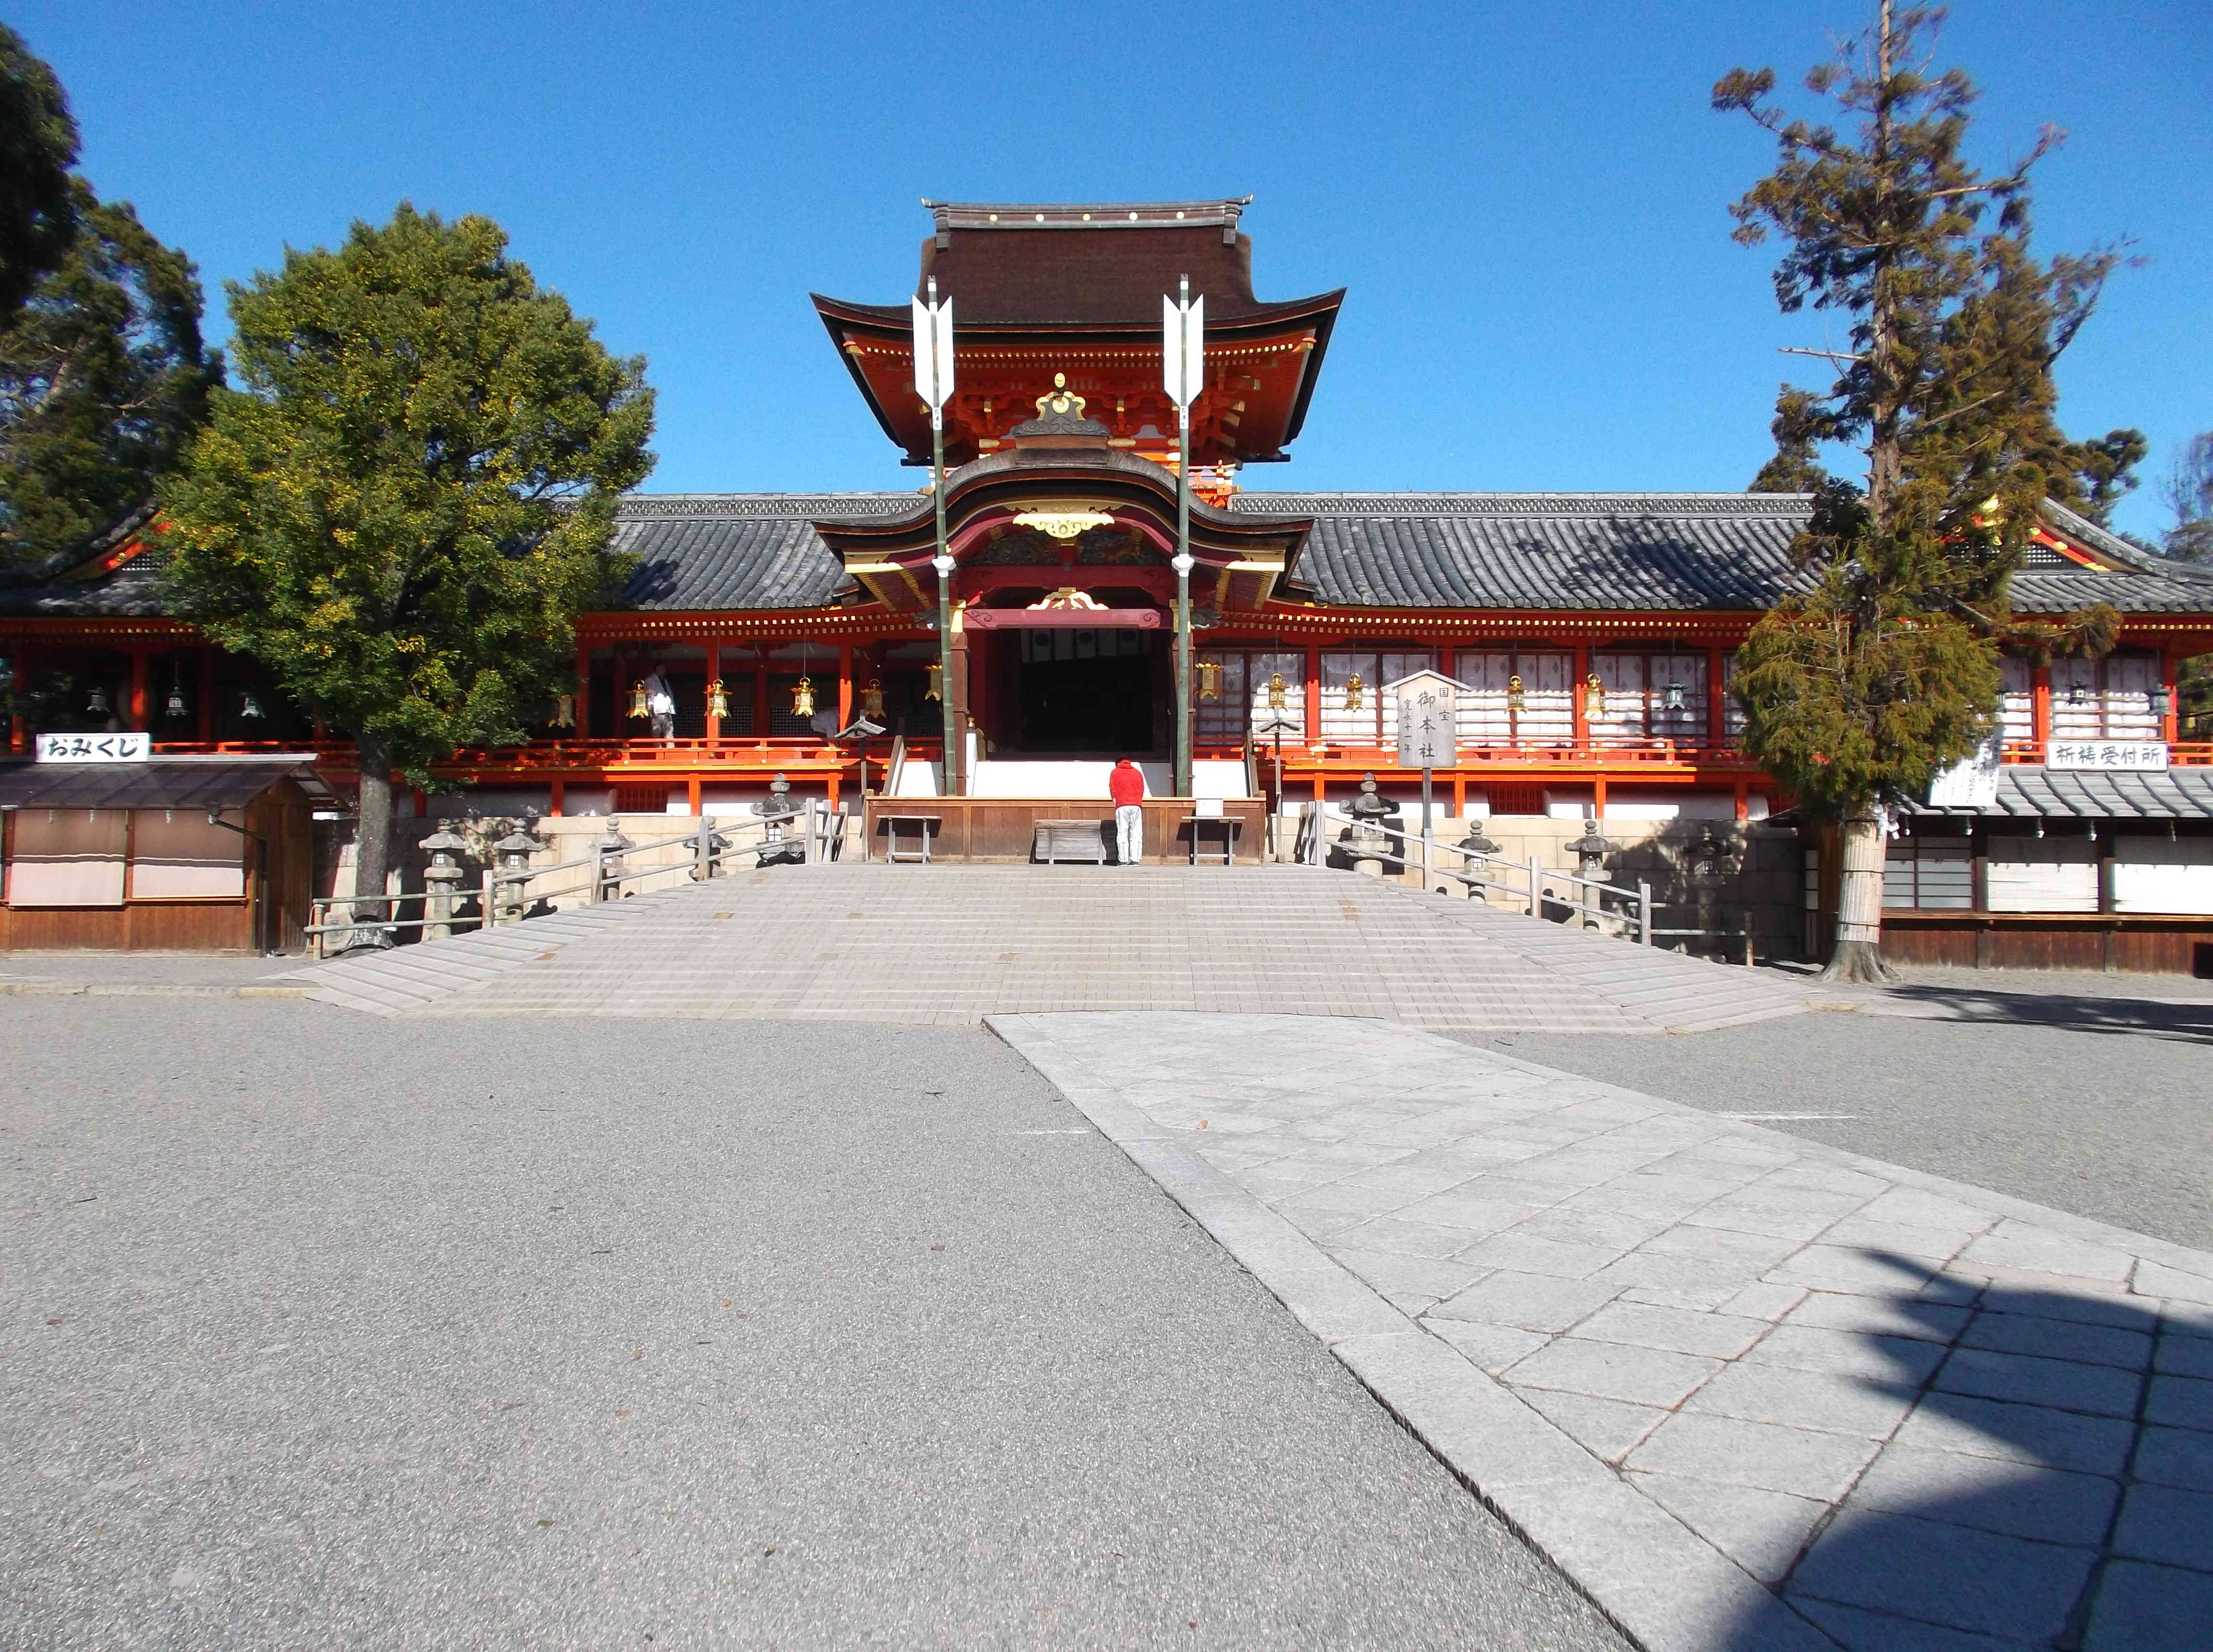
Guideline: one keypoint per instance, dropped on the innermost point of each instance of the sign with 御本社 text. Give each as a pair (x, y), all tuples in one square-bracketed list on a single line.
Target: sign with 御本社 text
[(95, 748), (2111, 755)]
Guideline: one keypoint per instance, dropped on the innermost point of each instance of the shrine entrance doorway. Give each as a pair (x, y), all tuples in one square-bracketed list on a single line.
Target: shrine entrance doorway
[(1082, 692)]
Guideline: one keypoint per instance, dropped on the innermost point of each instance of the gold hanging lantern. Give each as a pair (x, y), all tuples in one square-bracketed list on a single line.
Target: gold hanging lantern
[(1355, 693), (1515, 700), (638, 706), (871, 700), (936, 689), (718, 702), (1593, 698), (1276, 697), (802, 699), (1209, 679)]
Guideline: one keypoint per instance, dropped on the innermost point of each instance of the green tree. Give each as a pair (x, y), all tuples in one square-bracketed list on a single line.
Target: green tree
[(103, 379), (1884, 668), (406, 505), (2102, 469), (2190, 495), (38, 147)]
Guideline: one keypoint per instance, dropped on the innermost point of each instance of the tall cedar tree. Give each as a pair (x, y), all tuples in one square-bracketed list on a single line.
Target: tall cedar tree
[(406, 506), (103, 381), (2189, 493), (38, 147), (1884, 670)]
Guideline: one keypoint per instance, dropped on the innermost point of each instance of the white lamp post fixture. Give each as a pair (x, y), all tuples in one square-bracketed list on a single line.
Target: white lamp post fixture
[(1183, 366), (933, 382)]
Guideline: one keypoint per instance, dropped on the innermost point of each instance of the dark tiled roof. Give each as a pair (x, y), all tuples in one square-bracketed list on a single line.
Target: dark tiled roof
[(2028, 792), (738, 551), (1649, 552), (1631, 552), (158, 783)]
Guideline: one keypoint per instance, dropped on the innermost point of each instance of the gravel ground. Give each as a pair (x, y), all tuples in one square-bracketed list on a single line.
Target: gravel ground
[(325, 1331), (2090, 1093)]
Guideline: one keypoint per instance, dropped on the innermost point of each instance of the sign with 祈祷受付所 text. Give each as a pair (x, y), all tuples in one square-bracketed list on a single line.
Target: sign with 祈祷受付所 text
[(95, 748), (2113, 755)]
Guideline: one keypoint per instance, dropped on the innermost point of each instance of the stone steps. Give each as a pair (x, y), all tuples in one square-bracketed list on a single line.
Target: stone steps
[(954, 943)]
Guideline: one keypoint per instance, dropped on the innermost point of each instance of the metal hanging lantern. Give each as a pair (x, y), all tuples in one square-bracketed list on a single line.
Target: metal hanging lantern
[(2161, 701), (871, 700), (718, 701), (175, 706), (1672, 698), (936, 689), (249, 708), (96, 702), (1593, 698), (803, 698), (638, 705), (1515, 699), (2078, 693), (1209, 679), (1277, 697), (1355, 693)]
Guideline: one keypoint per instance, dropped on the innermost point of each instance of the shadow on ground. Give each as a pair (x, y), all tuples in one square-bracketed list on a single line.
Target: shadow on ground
[(2080, 1013), (2052, 1487)]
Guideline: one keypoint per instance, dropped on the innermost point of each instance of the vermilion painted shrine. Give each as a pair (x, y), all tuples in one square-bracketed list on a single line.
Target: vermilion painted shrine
[(1594, 630)]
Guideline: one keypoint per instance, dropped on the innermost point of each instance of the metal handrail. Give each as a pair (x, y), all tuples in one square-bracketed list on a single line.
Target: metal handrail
[(819, 834), (1313, 846)]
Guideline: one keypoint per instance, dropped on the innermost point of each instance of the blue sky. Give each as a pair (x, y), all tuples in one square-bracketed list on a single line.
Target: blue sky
[(1526, 202)]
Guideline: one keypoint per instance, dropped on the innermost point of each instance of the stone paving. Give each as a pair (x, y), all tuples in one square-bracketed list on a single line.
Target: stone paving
[(952, 944), (1748, 1391)]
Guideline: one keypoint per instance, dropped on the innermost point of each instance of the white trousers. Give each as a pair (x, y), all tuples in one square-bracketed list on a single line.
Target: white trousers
[(1129, 834)]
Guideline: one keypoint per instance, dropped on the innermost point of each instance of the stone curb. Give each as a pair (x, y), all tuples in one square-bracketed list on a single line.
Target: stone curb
[(1659, 1582), (132, 989)]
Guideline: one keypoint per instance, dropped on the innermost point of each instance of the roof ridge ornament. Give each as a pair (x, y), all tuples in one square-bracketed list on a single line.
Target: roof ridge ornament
[(1060, 398)]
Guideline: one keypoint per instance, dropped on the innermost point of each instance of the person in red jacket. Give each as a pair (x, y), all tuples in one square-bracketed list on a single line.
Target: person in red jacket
[(1126, 786)]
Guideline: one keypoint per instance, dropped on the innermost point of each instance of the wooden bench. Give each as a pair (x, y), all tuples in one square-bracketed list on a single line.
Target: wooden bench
[(1055, 841), (922, 825)]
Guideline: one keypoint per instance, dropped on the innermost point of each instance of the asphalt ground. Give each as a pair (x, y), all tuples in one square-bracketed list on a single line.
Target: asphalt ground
[(2088, 1094), (322, 1329)]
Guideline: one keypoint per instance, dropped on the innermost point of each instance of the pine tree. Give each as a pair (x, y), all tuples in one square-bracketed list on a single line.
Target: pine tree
[(1884, 668), (103, 381), (38, 147), (408, 503), (2190, 495)]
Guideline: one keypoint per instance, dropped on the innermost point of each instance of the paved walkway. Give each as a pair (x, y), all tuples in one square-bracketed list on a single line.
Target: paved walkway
[(952, 944), (1749, 1391)]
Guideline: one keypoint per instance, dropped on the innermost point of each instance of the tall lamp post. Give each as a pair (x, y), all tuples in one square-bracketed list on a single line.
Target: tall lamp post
[(933, 382), (1183, 359)]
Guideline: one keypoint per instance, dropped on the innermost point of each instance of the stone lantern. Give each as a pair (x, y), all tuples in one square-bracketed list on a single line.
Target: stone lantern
[(1709, 859), (441, 880), (607, 863), (776, 811), (514, 851), (1366, 840), (1471, 846), (1590, 851)]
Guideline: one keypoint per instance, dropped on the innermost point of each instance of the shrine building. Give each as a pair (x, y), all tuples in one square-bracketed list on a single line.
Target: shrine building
[(1594, 632)]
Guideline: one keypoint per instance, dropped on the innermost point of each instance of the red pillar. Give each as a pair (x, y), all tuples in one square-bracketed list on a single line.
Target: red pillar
[(1313, 703), (1575, 699), (139, 722), (2170, 729), (207, 697), (2041, 701), (714, 675)]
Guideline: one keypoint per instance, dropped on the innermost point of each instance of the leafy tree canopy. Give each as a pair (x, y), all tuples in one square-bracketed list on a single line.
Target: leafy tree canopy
[(38, 147), (407, 503), (103, 379)]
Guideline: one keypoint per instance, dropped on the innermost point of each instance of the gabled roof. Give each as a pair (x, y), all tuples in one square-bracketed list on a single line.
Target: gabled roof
[(2033, 792), (1667, 552)]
